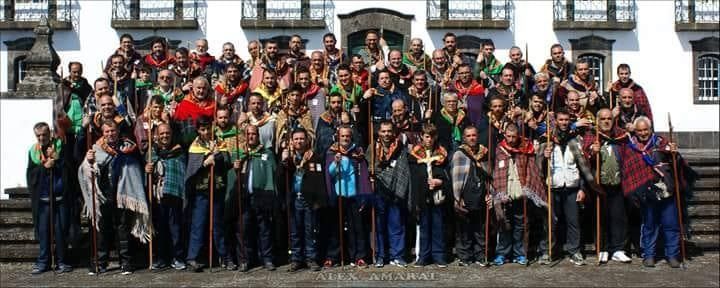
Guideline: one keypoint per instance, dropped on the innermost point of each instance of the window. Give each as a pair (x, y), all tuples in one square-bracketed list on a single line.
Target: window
[(697, 15), (594, 14), (708, 81), (489, 14), (154, 14), (20, 69), (597, 70), (286, 14), (706, 78), (25, 14), (357, 40)]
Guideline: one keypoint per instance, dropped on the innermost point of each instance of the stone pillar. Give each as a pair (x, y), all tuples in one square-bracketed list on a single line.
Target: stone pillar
[(42, 61)]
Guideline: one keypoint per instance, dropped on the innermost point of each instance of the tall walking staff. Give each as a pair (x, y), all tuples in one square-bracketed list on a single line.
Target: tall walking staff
[(150, 191), (51, 218), (212, 189), (93, 222), (288, 132), (487, 206), (549, 184), (678, 202), (597, 197), (526, 234), (372, 182), (239, 192), (341, 221)]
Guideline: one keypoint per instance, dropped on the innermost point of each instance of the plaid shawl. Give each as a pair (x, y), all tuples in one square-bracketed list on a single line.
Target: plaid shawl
[(124, 171), (392, 171), (639, 97), (460, 167), (617, 136), (530, 179), (169, 172)]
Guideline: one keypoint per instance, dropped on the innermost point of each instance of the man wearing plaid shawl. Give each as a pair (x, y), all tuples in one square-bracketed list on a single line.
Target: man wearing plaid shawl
[(470, 182), (167, 168), (649, 180), (515, 176)]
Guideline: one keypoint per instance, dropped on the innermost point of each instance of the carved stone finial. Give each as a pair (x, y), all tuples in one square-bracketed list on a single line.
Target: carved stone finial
[(40, 65)]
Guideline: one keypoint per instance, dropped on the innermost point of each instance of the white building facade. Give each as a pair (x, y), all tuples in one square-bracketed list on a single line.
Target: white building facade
[(671, 45)]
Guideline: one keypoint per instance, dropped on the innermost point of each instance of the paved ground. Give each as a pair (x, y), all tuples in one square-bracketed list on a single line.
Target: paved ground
[(701, 272)]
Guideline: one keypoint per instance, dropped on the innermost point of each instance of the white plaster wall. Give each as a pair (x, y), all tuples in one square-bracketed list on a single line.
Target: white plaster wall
[(661, 59)]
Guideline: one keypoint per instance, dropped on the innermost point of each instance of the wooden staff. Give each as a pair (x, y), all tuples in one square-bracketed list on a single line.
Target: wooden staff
[(52, 223), (487, 207), (239, 193), (678, 202), (150, 190), (597, 196), (526, 235), (341, 223), (287, 182), (212, 191), (549, 184), (373, 241), (94, 209)]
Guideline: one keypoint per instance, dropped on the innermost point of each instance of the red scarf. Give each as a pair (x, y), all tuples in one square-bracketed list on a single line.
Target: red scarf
[(475, 89), (150, 60), (311, 91), (232, 95), (525, 147), (380, 153)]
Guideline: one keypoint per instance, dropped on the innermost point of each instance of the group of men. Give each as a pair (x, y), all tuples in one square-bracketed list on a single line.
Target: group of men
[(374, 158)]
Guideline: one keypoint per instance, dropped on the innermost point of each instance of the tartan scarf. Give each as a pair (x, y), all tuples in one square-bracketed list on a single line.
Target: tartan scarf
[(380, 153), (454, 121), (646, 149), (617, 85), (556, 70), (532, 184), (170, 171), (37, 151)]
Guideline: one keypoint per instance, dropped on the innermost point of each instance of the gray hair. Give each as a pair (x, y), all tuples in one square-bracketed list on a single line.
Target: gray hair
[(416, 39), (541, 75), (643, 119)]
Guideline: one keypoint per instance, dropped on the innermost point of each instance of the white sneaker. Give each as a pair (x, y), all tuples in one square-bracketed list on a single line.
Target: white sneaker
[(619, 256), (603, 257)]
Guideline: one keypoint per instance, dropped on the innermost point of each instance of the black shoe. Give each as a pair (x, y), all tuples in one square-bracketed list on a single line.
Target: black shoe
[(674, 263), (229, 265), (63, 268), (313, 266), (294, 266), (102, 268), (463, 263), (159, 266), (38, 269), (649, 262), (269, 266), (194, 266), (243, 267), (126, 270)]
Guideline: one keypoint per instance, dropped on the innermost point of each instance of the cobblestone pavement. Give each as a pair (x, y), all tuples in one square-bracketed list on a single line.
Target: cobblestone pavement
[(701, 272)]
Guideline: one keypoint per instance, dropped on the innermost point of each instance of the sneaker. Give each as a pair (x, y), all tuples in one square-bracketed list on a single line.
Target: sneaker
[(520, 260), (619, 256), (38, 269), (360, 263), (100, 270), (269, 266), (295, 266), (229, 265), (126, 270), (649, 262), (544, 259), (399, 263), (329, 264), (419, 264), (603, 257), (463, 263), (499, 260), (481, 263), (441, 264), (178, 265), (577, 259), (243, 267), (194, 266), (158, 266), (674, 263), (63, 268), (312, 265)]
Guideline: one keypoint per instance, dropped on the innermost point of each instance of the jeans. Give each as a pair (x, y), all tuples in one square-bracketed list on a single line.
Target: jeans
[(658, 215), (389, 228), (512, 238), (432, 242), (59, 229), (199, 224), (303, 231), (168, 220), (470, 245), (256, 230)]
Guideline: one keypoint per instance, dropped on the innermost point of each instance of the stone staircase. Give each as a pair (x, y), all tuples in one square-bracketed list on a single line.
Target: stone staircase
[(18, 243)]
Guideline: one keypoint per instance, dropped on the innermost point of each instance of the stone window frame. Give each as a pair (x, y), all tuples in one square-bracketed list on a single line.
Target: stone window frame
[(52, 15), (593, 45), (445, 22), (261, 22), (17, 51), (705, 47), (569, 22), (283, 42), (178, 21), (377, 19)]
